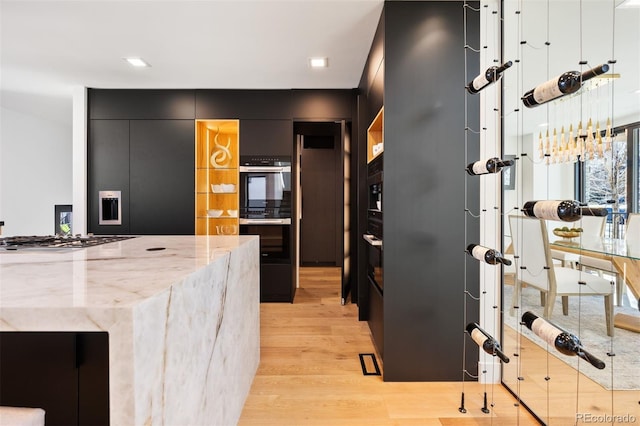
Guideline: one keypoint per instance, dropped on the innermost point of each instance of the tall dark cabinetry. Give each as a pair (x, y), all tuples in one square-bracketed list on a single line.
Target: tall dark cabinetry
[(141, 142), (417, 59)]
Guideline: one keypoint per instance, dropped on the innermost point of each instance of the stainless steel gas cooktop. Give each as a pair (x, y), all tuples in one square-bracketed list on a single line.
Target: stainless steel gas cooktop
[(57, 241)]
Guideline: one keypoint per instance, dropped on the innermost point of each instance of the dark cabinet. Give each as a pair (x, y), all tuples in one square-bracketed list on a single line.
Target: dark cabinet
[(266, 137), (64, 373), (152, 163), (276, 282), (108, 170), (162, 161), (425, 220)]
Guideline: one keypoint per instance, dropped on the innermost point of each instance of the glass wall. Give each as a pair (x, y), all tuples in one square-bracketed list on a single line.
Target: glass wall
[(581, 146)]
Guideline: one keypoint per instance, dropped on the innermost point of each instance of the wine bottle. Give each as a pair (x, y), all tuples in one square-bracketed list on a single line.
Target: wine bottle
[(564, 84), (564, 210), (487, 255), (492, 165), (565, 342), (485, 341), (492, 74)]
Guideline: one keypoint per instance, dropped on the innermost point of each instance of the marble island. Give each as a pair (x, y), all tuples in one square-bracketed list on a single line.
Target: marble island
[(182, 319)]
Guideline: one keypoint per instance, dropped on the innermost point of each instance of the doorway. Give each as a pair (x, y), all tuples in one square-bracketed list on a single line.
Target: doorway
[(320, 180), (322, 149)]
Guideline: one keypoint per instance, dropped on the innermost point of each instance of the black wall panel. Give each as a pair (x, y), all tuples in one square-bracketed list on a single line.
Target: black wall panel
[(266, 137), (323, 104), (372, 82), (244, 104), (162, 177), (140, 104), (108, 170), (158, 152), (424, 186)]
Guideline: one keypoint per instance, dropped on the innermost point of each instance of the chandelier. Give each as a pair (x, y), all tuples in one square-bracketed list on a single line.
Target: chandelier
[(568, 147)]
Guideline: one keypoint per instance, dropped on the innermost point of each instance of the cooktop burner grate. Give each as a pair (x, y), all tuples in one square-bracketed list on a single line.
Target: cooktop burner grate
[(58, 241)]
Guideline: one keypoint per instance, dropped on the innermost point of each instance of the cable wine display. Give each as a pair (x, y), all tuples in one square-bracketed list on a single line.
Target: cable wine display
[(484, 340), (487, 255), (562, 85), (484, 167), (491, 75), (562, 210), (566, 343)]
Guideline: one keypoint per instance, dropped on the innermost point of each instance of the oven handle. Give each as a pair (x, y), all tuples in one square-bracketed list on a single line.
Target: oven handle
[(265, 221), (270, 169), (371, 239)]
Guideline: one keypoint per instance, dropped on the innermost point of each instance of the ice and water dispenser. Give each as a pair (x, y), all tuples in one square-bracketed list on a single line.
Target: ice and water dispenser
[(110, 207)]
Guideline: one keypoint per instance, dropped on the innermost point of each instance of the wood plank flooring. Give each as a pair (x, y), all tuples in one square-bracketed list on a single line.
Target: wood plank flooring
[(310, 372)]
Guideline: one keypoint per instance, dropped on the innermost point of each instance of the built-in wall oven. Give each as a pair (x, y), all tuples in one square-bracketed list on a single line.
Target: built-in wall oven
[(374, 253), (374, 233), (265, 204), (374, 294), (265, 210), (265, 187)]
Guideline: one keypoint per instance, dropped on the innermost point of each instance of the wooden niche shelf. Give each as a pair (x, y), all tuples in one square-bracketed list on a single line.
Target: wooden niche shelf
[(217, 177), (375, 136)]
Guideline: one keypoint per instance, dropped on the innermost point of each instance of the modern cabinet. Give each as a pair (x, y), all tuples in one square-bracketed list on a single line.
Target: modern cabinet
[(426, 195), (108, 170), (64, 373), (217, 179), (151, 163), (161, 177), (266, 137)]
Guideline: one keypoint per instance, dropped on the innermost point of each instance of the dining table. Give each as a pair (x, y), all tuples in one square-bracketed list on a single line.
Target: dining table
[(624, 255)]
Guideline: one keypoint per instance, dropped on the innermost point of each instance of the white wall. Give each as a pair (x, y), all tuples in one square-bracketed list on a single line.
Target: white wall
[(35, 166)]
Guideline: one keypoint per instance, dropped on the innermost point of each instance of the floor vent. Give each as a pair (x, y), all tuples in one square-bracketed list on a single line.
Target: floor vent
[(369, 363)]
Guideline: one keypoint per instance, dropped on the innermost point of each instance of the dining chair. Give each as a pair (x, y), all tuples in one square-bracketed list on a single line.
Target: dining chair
[(535, 268), (632, 231)]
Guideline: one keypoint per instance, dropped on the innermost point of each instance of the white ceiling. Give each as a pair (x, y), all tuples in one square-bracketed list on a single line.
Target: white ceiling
[(50, 46)]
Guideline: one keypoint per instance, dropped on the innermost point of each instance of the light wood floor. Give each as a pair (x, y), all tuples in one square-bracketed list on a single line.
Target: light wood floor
[(310, 372)]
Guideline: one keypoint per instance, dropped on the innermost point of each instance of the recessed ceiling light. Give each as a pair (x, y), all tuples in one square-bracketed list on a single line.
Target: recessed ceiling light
[(137, 62), (318, 62)]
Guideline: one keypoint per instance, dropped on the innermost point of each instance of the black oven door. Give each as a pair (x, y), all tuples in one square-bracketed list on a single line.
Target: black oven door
[(374, 261), (265, 192), (275, 241)]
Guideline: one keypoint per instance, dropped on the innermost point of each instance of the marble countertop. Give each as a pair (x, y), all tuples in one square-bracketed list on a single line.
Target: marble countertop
[(119, 274), (183, 322)]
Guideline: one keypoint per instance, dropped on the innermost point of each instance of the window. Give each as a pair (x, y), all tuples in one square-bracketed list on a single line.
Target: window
[(611, 181)]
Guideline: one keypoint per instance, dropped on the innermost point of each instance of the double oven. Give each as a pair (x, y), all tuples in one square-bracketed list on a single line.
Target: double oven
[(265, 204), (373, 308), (265, 210), (373, 237)]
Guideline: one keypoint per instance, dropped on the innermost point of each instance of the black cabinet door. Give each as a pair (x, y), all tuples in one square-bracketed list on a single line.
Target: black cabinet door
[(266, 137), (162, 177), (64, 373), (276, 283), (108, 170), (39, 370)]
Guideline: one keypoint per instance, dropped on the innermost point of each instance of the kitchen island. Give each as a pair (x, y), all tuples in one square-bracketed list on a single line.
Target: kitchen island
[(181, 313)]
